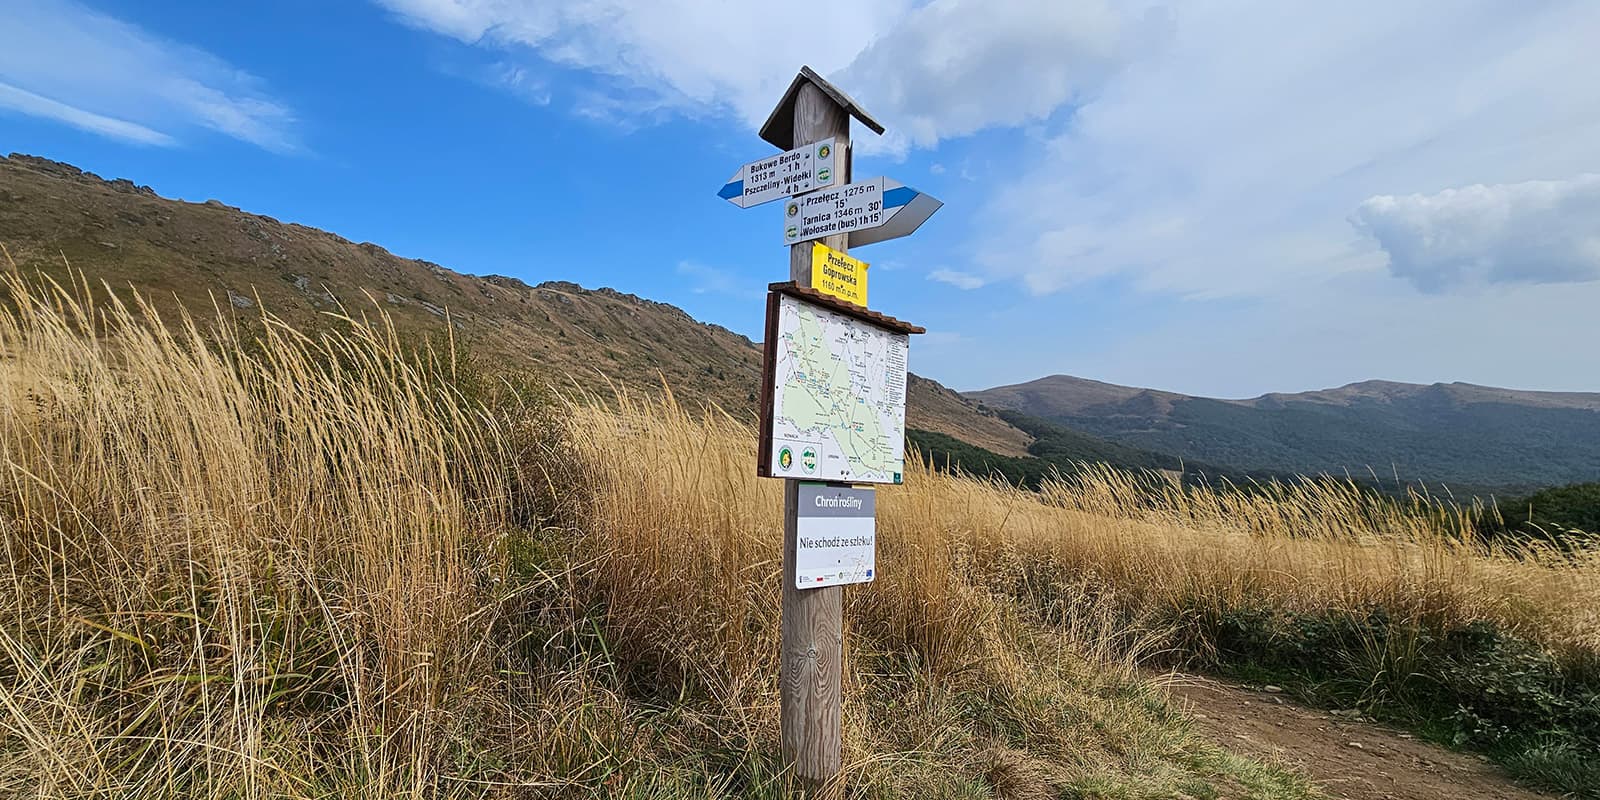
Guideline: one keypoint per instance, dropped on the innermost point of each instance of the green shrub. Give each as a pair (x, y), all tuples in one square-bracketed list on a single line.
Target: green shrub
[(1559, 509), (1473, 685)]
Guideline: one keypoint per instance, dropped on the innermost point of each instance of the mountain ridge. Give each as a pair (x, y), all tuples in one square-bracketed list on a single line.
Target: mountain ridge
[(1461, 433), (1374, 389), (196, 254)]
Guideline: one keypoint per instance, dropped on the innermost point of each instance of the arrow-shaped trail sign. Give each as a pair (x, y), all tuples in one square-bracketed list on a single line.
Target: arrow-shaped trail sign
[(786, 174), (870, 211)]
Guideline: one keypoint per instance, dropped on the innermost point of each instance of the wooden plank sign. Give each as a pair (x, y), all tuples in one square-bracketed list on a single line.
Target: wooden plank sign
[(870, 211), (803, 169)]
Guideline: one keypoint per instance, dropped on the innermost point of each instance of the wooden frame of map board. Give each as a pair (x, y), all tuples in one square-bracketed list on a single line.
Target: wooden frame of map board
[(769, 351)]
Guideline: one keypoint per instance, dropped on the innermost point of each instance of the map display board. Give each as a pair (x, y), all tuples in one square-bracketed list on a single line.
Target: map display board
[(836, 384)]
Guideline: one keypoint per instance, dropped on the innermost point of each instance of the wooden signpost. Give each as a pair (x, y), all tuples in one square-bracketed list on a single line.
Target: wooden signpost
[(813, 112)]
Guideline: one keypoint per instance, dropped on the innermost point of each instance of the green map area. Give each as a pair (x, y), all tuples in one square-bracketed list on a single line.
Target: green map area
[(840, 399)]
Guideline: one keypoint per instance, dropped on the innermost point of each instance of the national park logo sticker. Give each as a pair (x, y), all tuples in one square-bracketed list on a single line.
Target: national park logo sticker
[(824, 151), (786, 459), (808, 460)]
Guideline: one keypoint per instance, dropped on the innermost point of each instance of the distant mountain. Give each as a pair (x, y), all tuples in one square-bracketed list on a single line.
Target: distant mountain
[(200, 254), (1058, 451), (932, 407), (1459, 434)]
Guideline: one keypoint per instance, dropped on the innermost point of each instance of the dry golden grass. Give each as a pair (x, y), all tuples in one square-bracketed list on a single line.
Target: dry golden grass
[(293, 566), (1324, 545), (174, 512), (1143, 549)]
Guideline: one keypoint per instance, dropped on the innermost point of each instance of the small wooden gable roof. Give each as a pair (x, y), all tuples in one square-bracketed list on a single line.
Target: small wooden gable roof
[(844, 307), (779, 128)]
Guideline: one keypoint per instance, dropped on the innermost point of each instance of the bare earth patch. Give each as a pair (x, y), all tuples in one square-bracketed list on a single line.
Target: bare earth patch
[(1358, 760)]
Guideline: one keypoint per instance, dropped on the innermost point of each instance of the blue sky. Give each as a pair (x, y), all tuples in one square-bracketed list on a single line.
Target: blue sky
[(1221, 198)]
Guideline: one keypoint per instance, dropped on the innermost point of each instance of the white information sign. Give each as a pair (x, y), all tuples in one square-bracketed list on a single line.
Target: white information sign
[(870, 211), (836, 538), (838, 397), (839, 210), (786, 174)]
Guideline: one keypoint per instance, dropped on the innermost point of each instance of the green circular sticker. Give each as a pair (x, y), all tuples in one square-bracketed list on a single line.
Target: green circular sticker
[(786, 458), (824, 151)]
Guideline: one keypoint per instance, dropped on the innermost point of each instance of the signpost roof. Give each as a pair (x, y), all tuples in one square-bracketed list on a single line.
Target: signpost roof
[(843, 307), (779, 128)]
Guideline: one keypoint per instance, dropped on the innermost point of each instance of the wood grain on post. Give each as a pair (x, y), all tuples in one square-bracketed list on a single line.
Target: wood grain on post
[(813, 619)]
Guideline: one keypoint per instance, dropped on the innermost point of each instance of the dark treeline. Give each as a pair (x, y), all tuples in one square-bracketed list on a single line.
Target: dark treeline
[(1565, 516)]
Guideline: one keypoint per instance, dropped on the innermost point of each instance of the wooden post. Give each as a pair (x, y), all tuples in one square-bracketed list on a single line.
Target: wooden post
[(813, 620)]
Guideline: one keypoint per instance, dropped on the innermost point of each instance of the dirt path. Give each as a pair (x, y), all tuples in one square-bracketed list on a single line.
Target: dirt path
[(1349, 757)]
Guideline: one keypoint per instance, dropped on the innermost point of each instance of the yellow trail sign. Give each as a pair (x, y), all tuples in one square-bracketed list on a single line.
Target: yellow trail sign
[(835, 273)]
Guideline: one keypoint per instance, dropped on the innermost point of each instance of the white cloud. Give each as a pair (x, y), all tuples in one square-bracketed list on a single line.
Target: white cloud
[(62, 61), (1530, 232), (693, 55), (958, 279), (521, 82), (35, 106), (1227, 162), (933, 71), (951, 68)]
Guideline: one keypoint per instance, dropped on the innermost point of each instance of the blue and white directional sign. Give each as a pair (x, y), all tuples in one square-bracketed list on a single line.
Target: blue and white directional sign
[(870, 211), (786, 174)]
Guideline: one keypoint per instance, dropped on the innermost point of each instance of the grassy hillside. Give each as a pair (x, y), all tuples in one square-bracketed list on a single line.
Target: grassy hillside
[(940, 410), (1468, 437), (315, 566), (197, 254)]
